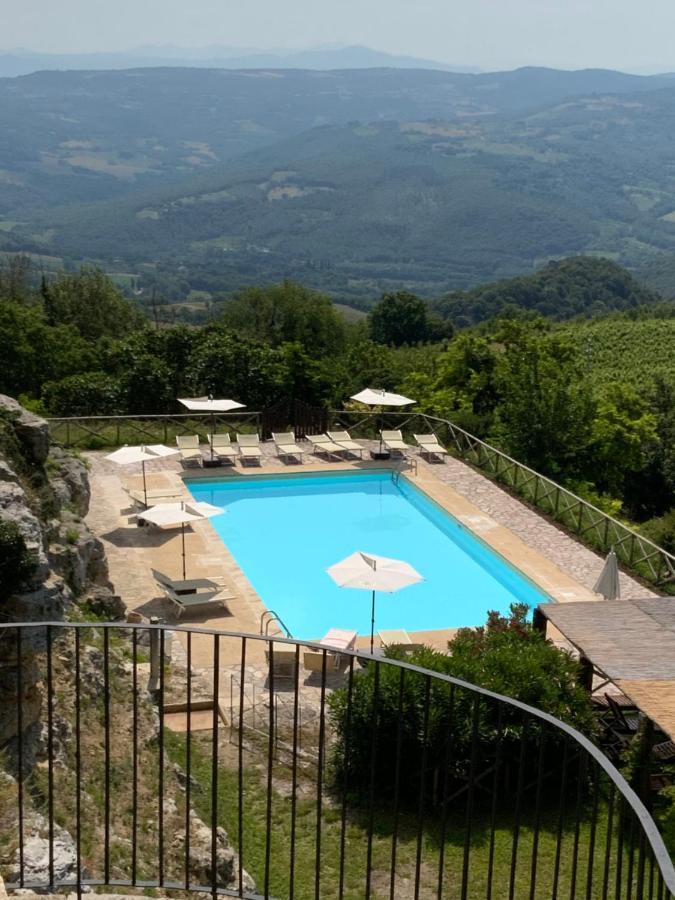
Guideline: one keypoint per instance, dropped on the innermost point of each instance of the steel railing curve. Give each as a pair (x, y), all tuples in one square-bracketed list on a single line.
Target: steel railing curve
[(632, 861)]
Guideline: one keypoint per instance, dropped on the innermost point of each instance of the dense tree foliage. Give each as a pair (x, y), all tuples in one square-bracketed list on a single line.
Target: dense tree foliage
[(559, 290), (402, 318), (590, 403)]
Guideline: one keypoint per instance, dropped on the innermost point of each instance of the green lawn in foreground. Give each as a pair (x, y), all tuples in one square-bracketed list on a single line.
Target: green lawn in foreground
[(254, 847)]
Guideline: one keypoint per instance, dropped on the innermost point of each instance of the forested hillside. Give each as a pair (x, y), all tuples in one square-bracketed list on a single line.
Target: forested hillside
[(559, 290), (354, 182)]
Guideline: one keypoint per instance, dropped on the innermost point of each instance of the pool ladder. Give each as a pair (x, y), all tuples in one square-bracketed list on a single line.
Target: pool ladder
[(267, 618), (406, 463)]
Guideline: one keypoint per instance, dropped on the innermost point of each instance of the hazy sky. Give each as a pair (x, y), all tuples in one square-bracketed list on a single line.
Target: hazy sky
[(489, 33)]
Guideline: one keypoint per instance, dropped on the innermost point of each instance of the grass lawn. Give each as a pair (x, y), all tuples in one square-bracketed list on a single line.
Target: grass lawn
[(471, 869)]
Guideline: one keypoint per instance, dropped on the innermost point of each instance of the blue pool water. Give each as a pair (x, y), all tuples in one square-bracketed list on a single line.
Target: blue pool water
[(285, 531)]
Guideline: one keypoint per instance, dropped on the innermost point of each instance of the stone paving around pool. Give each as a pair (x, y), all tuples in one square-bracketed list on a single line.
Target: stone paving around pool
[(562, 566)]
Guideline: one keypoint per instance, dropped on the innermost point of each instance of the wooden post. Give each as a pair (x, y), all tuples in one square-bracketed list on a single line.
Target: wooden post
[(539, 620), (586, 679)]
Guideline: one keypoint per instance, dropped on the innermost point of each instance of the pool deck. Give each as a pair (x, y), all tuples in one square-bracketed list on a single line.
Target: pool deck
[(561, 566)]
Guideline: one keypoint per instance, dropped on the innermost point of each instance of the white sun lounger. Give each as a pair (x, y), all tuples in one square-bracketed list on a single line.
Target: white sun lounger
[(398, 638), (154, 495), (334, 640), (249, 448), (428, 443), (285, 443), (321, 443), (393, 440), (344, 439), (193, 593), (190, 451), (222, 447)]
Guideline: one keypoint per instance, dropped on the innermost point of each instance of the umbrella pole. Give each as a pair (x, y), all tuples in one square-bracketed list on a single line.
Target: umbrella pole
[(381, 426), (182, 528), (213, 431), (372, 625), (145, 488)]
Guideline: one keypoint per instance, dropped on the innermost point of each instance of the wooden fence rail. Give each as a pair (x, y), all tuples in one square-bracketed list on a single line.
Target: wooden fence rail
[(590, 524)]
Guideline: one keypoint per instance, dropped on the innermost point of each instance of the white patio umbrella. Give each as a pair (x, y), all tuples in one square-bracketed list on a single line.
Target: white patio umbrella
[(140, 454), (168, 514), (374, 573), (608, 583), (381, 398), (210, 405)]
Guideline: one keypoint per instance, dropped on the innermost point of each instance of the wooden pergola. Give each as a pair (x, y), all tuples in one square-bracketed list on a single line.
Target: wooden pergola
[(628, 642)]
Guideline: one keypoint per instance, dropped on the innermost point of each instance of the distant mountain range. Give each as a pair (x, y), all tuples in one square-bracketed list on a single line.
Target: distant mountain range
[(24, 62), (353, 181)]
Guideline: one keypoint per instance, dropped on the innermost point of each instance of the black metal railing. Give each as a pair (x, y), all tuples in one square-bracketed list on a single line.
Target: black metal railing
[(409, 783)]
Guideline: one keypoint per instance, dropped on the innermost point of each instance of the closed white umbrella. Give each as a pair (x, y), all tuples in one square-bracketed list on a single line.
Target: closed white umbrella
[(168, 514), (381, 398), (608, 583), (366, 571), (140, 454), (210, 405)]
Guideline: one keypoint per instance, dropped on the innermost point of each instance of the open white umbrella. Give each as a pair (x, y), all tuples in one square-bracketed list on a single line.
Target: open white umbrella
[(374, 573), (210, 405), (381, 398), (608, 583), (168, 514), (140, 454)]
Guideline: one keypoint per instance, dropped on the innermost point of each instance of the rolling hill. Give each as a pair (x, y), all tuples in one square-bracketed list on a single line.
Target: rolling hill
[(351, 181)]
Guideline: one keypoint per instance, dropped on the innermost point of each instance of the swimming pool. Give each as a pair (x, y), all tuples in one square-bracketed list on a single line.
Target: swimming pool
[(284, 531)]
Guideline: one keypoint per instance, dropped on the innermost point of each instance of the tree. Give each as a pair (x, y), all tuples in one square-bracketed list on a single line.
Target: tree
[(546, 411), (403, 318), (622, 434), (226, 364), (287, 313), (91, 303)]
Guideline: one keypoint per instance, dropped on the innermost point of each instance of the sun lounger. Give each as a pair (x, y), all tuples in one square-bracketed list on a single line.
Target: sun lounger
[(249, 449), (193, 594), (393, 440), (398, 639), (285, 444), (190, 451), (343, 438), (185, 586), (428, 443), (283, 660), (321, 443), (334, 640), (154, 495), (221, 446)]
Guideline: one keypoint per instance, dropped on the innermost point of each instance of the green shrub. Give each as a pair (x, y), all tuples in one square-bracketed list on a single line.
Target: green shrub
[(16, 561), (507, 656), (90, 394)]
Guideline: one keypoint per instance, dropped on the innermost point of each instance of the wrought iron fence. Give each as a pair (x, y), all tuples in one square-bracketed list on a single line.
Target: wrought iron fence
[(578, 516), (420, 786)]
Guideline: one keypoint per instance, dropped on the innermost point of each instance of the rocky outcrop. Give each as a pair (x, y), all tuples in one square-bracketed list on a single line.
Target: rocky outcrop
[(227, 861), (31, 430), (69, 480)]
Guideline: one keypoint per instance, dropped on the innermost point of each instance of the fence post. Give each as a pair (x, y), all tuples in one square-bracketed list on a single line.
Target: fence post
[(153, 680)]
